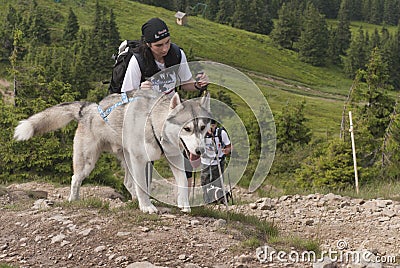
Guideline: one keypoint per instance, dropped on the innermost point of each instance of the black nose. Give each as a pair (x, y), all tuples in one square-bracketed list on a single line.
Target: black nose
[(199, 150)]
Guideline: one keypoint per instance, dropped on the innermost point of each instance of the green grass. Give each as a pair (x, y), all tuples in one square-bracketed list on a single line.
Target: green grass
[(2, 265), (209, 40), (278, 72), (323, 88), (377, 189), (91, 202)]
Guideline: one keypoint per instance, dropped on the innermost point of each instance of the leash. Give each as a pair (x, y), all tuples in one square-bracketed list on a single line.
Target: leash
[(107, 112)]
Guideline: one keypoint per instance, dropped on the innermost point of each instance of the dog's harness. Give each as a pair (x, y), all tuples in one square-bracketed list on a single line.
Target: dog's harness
[(107, 112), (124, 100)]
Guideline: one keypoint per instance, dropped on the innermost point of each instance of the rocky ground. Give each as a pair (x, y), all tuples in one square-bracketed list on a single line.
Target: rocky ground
[(40, 229)]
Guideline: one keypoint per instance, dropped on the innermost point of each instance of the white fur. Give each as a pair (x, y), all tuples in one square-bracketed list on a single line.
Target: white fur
[(24, 131)]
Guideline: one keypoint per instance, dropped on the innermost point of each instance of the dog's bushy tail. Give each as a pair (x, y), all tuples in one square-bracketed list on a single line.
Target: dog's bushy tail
[(51, 119)]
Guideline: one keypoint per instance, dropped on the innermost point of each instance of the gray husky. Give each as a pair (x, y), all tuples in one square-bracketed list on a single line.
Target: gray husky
[(149, 126)]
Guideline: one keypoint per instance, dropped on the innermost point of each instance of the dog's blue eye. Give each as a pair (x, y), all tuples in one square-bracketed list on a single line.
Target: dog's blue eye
[(187, 129)]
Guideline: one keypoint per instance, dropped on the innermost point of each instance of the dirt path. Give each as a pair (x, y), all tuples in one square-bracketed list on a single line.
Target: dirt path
[(40, 229)]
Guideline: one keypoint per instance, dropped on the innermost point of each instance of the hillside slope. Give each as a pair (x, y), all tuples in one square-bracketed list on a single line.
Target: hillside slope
[(206, 39)]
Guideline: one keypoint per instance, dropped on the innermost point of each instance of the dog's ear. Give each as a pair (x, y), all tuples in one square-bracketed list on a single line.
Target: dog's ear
[(205, 102), (175, 101)]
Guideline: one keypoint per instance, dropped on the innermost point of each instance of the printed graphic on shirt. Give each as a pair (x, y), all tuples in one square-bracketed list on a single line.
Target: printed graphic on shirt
[(164, 82), (209, 149)]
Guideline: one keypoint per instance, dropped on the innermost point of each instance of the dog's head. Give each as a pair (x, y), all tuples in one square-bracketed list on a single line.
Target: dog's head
[(188, 122)]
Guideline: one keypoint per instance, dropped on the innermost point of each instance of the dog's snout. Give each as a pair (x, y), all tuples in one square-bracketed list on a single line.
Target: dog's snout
[(200, 150)]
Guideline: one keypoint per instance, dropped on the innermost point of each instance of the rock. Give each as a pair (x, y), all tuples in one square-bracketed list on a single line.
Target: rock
[(358, 201), (191, 265), (383, 219), (332, 197), (388, 213), (145, 229), (42, 204), (344, 204), (38, 194), (309, 222), (253, 206), (64, 242), (220, 223), (145, 264), (182, 257), (57, 238), (124, 258), (4, 247), (123, 233), (383, 203), (244, 258), (86, 232), (326, 263), (194, 223), (100, 249), (370, 205), (284, 198), (267, 204)]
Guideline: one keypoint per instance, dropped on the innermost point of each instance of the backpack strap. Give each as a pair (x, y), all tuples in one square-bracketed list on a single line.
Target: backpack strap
[(174, 56), (219, 135)]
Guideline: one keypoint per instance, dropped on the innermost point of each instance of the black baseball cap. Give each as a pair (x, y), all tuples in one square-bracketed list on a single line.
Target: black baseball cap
[(154, 30)]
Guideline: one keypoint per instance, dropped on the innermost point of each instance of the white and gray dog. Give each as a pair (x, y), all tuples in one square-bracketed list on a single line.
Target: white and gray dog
[(149, 126)]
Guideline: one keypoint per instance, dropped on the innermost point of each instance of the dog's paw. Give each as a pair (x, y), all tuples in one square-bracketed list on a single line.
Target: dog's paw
[(148, 209), (72, 198), (186, 209)]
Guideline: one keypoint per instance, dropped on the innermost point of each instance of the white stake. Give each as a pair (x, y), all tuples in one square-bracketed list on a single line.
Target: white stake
[(353, 146)]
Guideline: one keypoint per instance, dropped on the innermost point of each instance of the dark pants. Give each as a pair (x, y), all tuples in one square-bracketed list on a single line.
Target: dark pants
[(211, 182)]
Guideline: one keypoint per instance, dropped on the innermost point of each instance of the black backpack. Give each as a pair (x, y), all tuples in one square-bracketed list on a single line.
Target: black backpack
[(122, 59), (218, 134)]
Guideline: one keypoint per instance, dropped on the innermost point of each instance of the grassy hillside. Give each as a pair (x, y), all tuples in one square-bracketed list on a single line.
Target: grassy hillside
[(279, 73)]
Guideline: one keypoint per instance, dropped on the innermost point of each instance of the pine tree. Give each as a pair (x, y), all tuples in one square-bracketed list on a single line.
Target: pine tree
[(288, 27), (334, 50), (212, 9), (376, 12), (291, 128), (261, 20), (313, 43), (252, 16), (343, 33), (71, 29), (37, 29), (375, 40), (11, 22), (114, 35), (241, 16), (225, 11), (391, 12), (372, 108), (356, 54), (391, 146), (366, 10), (329, 8), (355, 9), (395, 64), (80, 72)]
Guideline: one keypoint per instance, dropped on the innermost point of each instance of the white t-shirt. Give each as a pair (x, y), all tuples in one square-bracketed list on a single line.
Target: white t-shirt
[(165, 82), (208, 157)]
